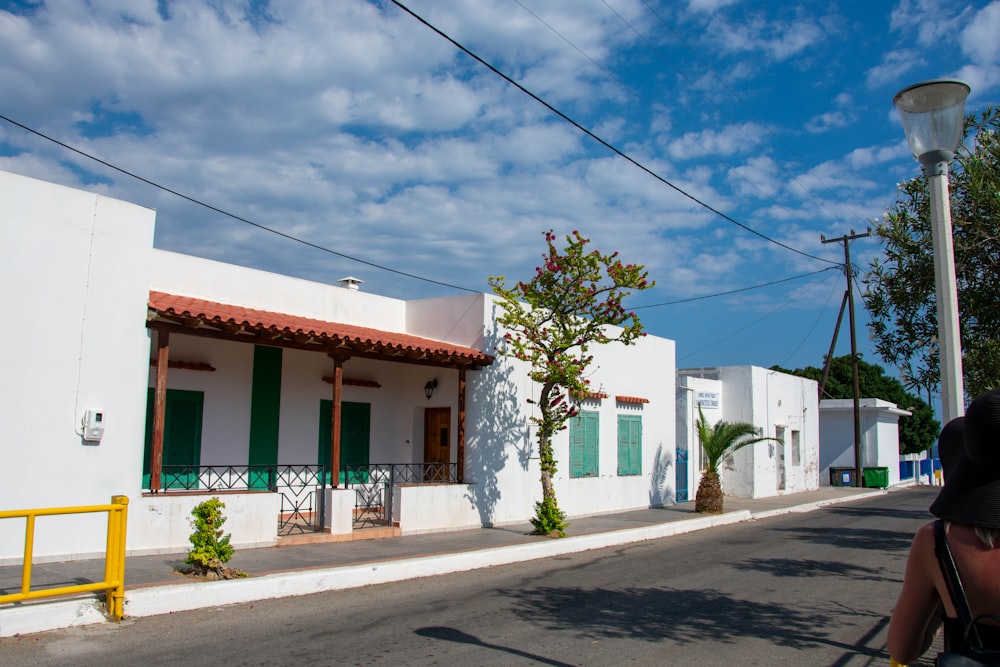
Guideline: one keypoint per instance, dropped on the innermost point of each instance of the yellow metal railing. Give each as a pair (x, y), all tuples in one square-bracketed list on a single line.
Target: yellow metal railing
[(114, 558)]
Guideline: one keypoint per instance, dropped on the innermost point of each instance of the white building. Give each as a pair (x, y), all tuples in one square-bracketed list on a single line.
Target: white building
[(781, 406), (879, 436), (214, 380)]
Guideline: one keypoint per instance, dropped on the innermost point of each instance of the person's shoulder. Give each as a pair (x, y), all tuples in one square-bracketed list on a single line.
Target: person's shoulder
[(923, 541)]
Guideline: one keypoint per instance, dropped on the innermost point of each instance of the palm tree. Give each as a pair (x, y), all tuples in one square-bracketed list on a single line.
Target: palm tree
[(718, 442)]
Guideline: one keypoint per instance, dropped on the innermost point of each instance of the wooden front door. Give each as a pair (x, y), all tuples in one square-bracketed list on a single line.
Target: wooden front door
[(437, 443)]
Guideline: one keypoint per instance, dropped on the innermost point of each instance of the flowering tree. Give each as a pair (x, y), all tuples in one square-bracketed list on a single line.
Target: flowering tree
[(551, 323)]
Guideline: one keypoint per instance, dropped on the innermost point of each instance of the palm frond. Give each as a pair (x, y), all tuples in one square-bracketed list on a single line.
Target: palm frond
[(724, 438)]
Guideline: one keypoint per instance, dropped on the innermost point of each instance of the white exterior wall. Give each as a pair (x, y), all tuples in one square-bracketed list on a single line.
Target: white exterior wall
[(75, 270), (879, 436), (773, 402), (241, 286)]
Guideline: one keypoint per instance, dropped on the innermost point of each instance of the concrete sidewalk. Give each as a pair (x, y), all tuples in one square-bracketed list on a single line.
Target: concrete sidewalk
[(152, 585)]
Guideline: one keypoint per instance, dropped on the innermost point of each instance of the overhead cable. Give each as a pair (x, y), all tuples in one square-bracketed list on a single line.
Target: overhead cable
[(233, 215), (614, 149)]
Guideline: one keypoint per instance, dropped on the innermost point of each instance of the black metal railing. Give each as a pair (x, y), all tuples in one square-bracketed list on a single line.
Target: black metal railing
[(374, 482), (301, 487)]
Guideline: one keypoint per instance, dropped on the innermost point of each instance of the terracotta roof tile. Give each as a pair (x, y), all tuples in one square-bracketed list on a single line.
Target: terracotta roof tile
[(631, 399), (212, 312)]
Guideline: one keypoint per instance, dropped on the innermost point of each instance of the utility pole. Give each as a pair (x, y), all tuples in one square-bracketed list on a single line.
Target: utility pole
[(849, 272)]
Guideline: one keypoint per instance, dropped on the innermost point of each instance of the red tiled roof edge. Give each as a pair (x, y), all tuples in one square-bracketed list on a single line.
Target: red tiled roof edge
[(221, 313), (631, 399)]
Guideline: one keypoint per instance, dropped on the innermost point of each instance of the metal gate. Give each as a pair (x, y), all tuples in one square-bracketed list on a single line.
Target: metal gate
[(373, 487), (682, 475), (303, 494), (374, 484)]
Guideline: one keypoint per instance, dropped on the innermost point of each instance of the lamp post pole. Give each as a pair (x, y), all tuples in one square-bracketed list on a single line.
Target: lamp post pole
[(946, 286), (933, 115)]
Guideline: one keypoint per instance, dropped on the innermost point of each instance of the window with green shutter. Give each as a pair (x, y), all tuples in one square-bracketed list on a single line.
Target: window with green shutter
[(583, 445), (629, 445)]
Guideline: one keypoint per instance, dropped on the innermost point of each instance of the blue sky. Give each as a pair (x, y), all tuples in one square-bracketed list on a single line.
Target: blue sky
[(356, 128)]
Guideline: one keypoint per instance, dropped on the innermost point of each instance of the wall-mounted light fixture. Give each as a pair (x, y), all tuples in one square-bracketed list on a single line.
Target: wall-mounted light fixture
[(430, 387)]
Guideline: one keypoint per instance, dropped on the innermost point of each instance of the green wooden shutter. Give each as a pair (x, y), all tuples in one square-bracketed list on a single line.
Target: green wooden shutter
[(629, 445), (265, 411), (181, 436), (583, 445), (624, 428), (576, 446), (355, 436), (591, 450)]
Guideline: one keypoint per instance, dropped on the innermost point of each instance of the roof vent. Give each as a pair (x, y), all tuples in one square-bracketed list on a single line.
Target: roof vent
[(350, 282)]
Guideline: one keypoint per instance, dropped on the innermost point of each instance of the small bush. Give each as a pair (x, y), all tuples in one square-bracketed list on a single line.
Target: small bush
[(210, 548), (549, 519)]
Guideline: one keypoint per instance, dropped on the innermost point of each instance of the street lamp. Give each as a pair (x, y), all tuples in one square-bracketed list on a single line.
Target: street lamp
[(933, 115)]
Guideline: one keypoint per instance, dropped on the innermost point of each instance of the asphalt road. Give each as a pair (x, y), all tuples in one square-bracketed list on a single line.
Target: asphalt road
[(801, 589)]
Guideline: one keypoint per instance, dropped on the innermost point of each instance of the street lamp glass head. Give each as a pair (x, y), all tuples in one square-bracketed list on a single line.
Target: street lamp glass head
[(933, 115)]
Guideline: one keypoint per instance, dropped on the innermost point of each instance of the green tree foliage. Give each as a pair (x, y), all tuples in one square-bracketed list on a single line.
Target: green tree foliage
[(552, 321), (900, 287), (718, 442), (916, 433)]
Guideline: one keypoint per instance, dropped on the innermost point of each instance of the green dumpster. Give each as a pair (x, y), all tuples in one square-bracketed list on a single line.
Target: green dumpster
[(876, 478)]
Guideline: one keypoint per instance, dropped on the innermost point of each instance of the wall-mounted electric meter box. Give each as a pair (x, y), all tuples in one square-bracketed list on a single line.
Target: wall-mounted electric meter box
[(93, 425)]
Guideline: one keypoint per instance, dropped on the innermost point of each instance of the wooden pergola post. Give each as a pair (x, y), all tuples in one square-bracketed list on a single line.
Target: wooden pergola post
[(338, 390), (461, 425), (159, 409)]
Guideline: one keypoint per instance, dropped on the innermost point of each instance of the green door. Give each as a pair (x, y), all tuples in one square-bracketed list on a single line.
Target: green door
[(181, 438), (355, 430)]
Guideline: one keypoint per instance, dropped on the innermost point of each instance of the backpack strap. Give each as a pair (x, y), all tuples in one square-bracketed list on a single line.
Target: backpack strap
[(955, 589)]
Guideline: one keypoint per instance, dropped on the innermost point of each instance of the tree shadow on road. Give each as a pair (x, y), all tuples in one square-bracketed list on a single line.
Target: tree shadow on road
[(868, 539), (917, 515), (682, 617), (654, 614), (796, 567)]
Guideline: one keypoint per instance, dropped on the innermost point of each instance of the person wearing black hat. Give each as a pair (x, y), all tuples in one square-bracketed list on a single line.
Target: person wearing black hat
[(968, 506)]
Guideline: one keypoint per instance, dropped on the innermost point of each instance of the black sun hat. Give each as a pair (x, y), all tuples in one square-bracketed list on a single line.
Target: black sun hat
[(971, 492)]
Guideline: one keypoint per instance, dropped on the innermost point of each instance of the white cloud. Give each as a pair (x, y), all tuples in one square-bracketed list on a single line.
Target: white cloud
[(709, 6), (981, 43), (827, 121), (893, 66), (759, 177), (931, 21), (729, 140), (777, 39)]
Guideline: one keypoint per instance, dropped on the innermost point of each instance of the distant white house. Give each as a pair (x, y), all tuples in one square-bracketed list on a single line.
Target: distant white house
[(780, 405), (879, 422), (269, 391)]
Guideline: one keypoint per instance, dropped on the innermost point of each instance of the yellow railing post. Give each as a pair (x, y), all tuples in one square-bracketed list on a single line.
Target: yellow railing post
[(29, 550), (114, 566)]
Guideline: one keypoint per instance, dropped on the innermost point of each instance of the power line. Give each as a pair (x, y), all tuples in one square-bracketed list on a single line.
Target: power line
[(732, 92), (735, 291), (811, 329), (233, 215), (617, 151), (738, 331), (687, 137)]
